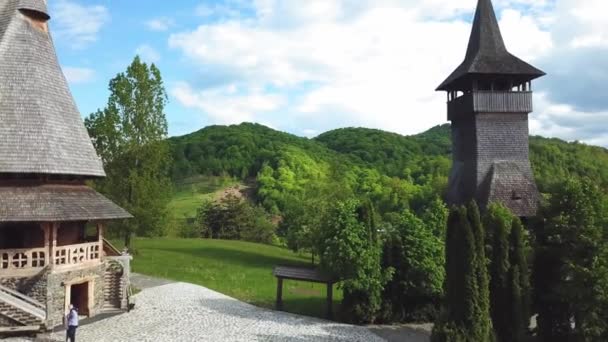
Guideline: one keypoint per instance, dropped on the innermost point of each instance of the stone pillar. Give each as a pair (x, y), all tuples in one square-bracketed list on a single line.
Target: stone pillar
[(125, 281)]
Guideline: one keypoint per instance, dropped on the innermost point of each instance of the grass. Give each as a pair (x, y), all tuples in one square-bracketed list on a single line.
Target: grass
[(238, 269), (189, 194)]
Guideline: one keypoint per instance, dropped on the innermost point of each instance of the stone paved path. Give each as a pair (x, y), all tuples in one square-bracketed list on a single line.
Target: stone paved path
[(186, 312)]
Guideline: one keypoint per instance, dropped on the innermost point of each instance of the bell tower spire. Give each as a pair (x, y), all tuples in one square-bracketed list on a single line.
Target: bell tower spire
[(489, 99)]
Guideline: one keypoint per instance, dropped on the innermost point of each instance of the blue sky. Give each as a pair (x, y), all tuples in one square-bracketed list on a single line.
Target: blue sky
[(310, 66)]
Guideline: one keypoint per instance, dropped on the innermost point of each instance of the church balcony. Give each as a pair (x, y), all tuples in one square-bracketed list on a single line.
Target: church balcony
[(28, 249), (490, 102), (25, 262)]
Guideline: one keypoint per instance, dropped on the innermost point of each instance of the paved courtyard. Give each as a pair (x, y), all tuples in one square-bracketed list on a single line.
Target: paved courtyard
[(186, 312)]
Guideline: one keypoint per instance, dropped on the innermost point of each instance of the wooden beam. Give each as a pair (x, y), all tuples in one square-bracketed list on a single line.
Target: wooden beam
[(279, 293)]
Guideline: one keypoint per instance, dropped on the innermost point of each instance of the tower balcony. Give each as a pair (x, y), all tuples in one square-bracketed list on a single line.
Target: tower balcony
[(490, 102)]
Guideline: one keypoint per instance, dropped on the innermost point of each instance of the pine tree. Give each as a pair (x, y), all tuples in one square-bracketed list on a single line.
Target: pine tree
[(519, 266), (482, 323), (498, 222), (516, 312), (465, 315)]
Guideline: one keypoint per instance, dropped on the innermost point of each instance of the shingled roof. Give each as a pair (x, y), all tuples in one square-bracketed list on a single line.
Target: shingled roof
[(41, 130), (56, 203), (487, 53)]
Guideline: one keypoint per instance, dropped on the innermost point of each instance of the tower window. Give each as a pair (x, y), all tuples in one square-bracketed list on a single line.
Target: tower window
[(516, 195), (36, 18)]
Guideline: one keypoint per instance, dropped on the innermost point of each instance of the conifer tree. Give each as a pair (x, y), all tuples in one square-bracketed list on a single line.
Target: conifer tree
[(498, 222), (520, 276), (482, 324), (465, 315)]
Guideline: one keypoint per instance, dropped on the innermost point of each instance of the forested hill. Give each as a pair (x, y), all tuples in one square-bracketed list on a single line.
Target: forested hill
[(242, 150)]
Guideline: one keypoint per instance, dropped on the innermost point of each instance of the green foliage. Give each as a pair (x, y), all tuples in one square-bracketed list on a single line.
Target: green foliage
[(571, 263), (349, 250), (130, 137), (483, 325), (520, 281), (415, 250), (509, 273), (498, 223), (466, 315), (238, 151), (235, 219)]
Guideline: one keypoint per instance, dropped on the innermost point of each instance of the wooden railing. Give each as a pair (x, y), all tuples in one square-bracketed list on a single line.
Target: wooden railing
[(491, 102), (77, 254), (19, 259)]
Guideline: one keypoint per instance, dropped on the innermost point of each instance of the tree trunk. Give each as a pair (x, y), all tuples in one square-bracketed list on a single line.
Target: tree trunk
[(128, 239)]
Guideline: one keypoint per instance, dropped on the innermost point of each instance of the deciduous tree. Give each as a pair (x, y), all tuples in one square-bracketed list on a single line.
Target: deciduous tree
[(130, 136)]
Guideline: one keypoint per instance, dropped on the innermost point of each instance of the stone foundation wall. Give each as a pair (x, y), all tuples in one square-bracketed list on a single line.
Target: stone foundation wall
[(56, 291), (34, 287), (7, 322)]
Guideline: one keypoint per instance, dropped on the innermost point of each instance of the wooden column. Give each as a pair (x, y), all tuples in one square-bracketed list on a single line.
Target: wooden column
[(100, 238), (330, 300), (46, 228), (53, 244), (279, 293)]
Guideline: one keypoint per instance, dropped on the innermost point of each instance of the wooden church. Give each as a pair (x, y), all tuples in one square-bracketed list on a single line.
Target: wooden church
[(52, 247), (489, 100)]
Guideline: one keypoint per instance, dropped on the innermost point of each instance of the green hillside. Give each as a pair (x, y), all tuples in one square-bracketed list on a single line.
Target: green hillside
[(391, 169)]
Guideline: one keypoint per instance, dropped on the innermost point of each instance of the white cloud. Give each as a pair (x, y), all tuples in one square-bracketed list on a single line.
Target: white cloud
[(224, 105), (78, 25), (148, 53), (76, 75), (160, 24), (371, 63)]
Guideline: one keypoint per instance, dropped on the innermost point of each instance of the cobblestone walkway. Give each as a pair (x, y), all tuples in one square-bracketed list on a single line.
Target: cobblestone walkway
[(186, 312)]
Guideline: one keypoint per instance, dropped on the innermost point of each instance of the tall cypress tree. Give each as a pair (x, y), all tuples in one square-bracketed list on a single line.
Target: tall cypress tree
[(465, 314), (520, 276), (498, 223), (482, 324)]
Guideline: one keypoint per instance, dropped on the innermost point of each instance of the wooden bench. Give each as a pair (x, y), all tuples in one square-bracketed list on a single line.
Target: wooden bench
[(304, 274)]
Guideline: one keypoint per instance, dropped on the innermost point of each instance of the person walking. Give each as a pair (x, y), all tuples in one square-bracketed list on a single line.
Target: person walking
[(72, 323)]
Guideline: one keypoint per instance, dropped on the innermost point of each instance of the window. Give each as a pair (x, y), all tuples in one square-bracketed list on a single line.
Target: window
[(36, 18)]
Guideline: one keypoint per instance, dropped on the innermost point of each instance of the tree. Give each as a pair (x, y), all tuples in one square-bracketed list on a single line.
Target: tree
[(349, 250), (465, 315), (233, 218), (571, 264), (498, 223), (130, 137), (509, 274), (520, 282), (417, 255), (483, 330)]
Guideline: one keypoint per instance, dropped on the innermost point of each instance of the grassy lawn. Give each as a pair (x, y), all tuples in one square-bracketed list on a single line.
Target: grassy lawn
[(238, 269), (189, 194)]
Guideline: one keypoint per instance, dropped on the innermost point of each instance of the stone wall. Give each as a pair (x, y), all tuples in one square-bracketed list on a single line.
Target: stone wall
[(34, 287), (7, 322), (56, 290)]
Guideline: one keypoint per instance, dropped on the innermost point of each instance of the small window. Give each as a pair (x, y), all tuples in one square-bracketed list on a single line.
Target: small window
[(516, 196), (36, 18)]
